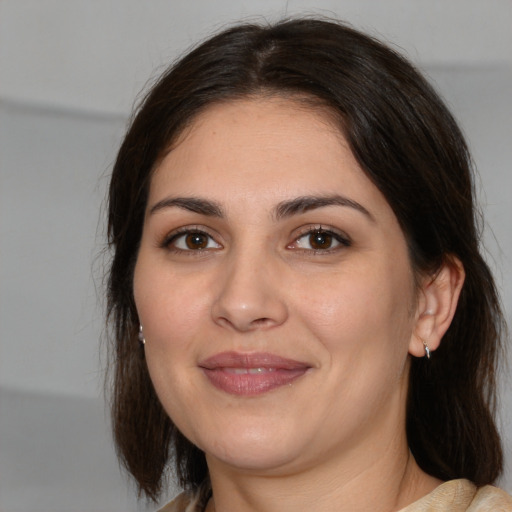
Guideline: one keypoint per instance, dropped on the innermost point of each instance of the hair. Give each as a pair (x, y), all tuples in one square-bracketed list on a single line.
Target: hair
[(410, 147)]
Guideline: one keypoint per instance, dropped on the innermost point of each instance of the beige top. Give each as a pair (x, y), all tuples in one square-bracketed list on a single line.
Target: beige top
[(453, 496)]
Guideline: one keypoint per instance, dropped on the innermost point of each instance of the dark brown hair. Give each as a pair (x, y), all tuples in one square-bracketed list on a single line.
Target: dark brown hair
[(411, 148)]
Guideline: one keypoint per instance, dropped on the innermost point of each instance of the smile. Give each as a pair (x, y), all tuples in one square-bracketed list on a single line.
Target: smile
[(251, 371), (251, 374)]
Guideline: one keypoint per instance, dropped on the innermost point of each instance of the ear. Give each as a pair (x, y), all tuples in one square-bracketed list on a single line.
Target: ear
[(437, 302)]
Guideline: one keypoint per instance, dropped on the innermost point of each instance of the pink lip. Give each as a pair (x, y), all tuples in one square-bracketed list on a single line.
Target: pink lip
[(251, 374)]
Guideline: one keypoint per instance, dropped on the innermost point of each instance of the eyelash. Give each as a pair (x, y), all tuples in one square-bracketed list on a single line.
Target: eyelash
[(169, 241), (342, 240)]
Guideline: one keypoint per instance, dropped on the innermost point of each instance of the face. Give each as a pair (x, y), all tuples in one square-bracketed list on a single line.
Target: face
[(275, 290)]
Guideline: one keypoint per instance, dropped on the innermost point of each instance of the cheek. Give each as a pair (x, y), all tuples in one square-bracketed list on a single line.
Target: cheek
[(169, 311), (361, 310), (169, 306)]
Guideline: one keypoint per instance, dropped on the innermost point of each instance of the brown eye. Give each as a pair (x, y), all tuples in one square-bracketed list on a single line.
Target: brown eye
[(196, 241), (319, 240), (192, 241)]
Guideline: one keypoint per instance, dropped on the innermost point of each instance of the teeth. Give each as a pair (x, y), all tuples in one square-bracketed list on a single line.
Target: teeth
[(249, 371), (238, 371)]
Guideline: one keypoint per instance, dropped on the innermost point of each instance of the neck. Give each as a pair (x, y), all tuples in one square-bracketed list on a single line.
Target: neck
[(373, 490), (387, 481)]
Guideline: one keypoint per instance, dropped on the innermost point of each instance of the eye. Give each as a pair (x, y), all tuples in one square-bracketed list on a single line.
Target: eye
[(320, 240), (191, 240)]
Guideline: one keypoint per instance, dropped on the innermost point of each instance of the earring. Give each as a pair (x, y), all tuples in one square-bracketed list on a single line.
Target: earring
[(141, 335), (427, 350)]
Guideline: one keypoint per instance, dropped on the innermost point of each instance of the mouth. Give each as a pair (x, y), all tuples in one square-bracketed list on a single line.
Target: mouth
[(251, 374)]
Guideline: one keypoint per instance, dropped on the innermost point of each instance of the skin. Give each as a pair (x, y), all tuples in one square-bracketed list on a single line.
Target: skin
[(333, 439)]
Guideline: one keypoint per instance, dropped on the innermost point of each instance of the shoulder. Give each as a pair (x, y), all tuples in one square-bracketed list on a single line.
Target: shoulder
[(460, 495), (490, 498), (182, 503), (463, 496), (194, 501)]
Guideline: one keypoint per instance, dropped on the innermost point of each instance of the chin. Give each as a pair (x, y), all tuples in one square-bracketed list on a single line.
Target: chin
[(266, 460), (254, 450)]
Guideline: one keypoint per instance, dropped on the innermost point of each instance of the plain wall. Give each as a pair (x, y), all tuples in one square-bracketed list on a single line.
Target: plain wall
[(69, 74)]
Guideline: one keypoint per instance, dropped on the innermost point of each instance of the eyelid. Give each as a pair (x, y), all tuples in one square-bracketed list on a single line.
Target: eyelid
[(342, 238), (175, 234)]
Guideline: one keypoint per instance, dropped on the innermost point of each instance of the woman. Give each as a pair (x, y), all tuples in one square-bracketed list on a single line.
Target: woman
[(301, 315)]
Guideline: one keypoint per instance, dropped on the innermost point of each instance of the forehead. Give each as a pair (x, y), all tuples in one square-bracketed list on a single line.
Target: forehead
[(269, 121), (264, 150), (256, 127)]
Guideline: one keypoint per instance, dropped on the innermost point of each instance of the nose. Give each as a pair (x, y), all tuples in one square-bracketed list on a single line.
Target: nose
[(249, 295)]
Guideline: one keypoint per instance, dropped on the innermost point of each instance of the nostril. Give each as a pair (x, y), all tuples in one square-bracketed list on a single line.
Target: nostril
[(261, 321), (239, 324)]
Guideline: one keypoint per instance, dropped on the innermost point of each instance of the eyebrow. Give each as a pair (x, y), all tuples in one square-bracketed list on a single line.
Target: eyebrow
[(305, 203), (283, 210), (192, 204)]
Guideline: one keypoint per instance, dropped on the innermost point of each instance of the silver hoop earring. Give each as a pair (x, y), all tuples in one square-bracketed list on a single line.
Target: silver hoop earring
[(427, 350), (141, 335)]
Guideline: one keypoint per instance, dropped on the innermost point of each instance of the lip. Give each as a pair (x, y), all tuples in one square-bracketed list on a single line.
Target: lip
[(244, 374)]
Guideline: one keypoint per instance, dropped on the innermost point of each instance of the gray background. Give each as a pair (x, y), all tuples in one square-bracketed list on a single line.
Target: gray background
[(69, 73)]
